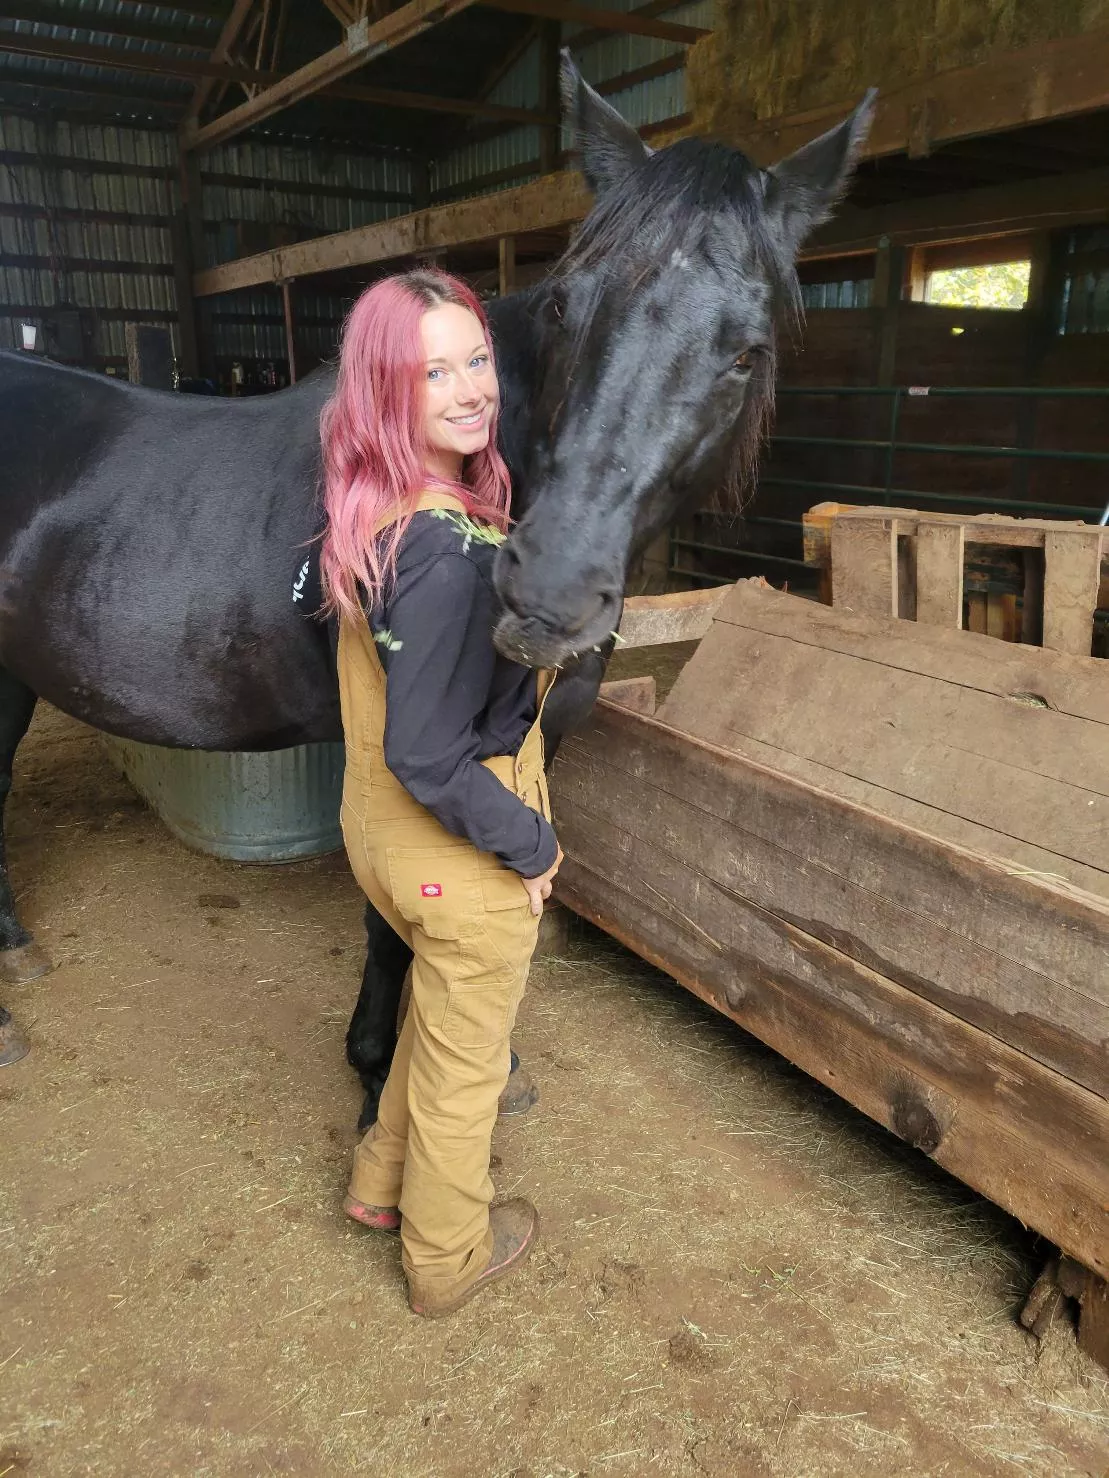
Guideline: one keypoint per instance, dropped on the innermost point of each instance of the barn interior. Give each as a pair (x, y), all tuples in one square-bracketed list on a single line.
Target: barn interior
[(191, 197)]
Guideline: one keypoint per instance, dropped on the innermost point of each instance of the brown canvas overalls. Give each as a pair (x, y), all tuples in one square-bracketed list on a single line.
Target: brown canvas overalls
[(468, 921)]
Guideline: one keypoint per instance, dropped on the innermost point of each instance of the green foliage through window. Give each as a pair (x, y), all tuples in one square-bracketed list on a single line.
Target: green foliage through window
[(999, 285)]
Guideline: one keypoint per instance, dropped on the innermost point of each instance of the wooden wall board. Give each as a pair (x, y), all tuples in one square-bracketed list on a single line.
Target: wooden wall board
[(1023, 1134), (1021, 960), (939, 574), (1072, 580), (1004, 747)]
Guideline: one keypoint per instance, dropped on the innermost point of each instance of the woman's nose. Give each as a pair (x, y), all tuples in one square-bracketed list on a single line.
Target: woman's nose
[(468, 389)]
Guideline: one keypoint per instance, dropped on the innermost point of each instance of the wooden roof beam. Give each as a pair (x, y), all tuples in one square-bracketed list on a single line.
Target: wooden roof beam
[(562, 199), (627, 23), (150, 64), (555, 200), (221, 52), (990, 210), (363, 42)]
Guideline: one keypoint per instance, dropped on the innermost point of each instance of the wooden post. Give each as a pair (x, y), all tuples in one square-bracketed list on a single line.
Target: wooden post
[(864, 565), (550, 40), (939, 574), (183, 269), (290, 347), (889, 283), (1072, 581), (506, 281), (196, 338)]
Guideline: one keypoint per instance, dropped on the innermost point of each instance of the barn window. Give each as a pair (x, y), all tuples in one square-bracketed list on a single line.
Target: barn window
[(974, 274)]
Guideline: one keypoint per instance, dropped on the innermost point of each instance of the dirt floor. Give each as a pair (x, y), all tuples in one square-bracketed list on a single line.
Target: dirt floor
[(739, 1275)]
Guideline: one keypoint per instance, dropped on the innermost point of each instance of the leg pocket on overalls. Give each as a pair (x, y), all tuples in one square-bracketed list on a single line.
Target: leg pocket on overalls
[(438, 890)]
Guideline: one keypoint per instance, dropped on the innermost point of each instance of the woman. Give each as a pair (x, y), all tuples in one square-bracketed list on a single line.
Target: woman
[(445, 810)]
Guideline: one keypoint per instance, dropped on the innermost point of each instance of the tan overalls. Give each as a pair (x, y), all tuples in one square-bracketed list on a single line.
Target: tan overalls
[(468, 921)]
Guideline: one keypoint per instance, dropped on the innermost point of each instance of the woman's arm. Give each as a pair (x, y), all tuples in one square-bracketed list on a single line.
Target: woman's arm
[(438, 658)]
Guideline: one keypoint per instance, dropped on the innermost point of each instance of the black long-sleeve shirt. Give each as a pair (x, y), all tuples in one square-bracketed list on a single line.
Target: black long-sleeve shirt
[(451, 699)]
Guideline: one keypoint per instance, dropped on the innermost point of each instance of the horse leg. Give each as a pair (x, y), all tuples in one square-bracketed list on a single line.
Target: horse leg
[(20, 958), (372, 1034)]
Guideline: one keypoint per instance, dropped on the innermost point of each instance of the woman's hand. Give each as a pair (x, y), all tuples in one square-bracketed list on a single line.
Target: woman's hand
[(540, 888)]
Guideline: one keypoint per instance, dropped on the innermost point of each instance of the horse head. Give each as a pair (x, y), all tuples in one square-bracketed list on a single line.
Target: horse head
[(655, 367)]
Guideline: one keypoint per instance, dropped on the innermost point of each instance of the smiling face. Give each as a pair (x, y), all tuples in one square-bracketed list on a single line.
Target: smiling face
[(461, 388)]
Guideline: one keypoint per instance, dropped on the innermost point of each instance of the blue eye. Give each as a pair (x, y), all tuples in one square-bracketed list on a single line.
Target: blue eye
[(433, 372), (480, 359)]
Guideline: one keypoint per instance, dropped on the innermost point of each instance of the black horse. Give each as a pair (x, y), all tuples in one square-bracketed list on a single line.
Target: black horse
[(147, 540)]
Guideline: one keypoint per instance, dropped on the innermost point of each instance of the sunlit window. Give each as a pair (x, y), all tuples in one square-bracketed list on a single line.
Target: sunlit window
[(998, 285)]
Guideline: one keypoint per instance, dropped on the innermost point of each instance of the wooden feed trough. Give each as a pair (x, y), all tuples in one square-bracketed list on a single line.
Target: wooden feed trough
[(882, 847)]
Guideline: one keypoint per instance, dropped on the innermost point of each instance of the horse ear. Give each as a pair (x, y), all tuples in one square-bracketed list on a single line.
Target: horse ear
[(803, 189), (608, 149)]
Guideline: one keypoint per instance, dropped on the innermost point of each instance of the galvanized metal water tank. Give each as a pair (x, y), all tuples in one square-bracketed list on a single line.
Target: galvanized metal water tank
[(274, 806)]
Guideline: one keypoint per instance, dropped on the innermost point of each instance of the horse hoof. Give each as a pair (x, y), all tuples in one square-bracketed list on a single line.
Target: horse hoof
[(28, 962), (13, 1044)]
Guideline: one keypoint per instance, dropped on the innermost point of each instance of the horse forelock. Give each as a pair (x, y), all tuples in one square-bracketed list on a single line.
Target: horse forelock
[(696, 200)]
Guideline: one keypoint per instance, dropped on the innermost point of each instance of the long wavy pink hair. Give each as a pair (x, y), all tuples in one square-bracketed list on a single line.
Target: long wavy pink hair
[(375, 448)]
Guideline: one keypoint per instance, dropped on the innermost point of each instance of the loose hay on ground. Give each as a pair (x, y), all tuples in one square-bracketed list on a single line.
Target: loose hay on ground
[(739, 1275)]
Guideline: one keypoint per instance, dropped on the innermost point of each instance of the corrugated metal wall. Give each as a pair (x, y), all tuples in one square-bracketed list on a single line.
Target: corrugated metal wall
[(86, 233), (601, 61)]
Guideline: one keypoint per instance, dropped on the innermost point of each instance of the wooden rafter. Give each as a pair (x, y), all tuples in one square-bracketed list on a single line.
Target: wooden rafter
[(587, 37), (627, 23), (153, 64), (363, 42), (561, 199), (221, 52), (248, 77), (550, 202), (504, 64), (342, 12)]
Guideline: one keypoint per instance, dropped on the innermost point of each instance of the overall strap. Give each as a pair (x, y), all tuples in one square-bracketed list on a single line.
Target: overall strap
[(425, 503)]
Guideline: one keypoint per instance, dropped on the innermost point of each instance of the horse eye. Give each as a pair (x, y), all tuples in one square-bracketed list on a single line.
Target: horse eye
[(744, 361)]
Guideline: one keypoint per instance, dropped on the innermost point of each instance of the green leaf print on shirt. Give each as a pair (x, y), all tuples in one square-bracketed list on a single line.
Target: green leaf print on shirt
[(471, 531)]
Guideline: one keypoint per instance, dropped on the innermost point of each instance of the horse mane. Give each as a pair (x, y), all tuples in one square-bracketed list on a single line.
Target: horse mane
[(689, 198)]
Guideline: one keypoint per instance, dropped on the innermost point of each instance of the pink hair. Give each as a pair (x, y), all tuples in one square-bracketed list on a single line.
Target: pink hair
[(374, 441)]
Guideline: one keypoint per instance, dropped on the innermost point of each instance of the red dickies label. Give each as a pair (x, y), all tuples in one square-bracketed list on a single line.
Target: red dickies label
[(431, 890)]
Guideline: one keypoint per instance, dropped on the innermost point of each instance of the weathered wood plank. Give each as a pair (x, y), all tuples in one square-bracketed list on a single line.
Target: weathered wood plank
[(1072, 578), (1024, 962), (864, 565), (997, 529), (1022, 1135), (1019, 770), (682, 615), (635, 693), (1065, 684), (939, 574)]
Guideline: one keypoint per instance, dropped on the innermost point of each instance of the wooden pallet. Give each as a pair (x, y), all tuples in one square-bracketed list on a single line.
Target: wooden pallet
[(901, 562)]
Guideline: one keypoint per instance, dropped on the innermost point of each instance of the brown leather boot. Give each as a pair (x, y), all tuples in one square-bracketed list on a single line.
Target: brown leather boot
[(515, 1226)]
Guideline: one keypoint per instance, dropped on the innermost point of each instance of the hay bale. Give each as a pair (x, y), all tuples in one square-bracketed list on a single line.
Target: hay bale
[(766, 58)]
